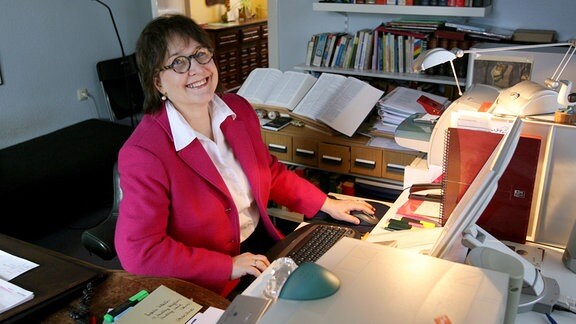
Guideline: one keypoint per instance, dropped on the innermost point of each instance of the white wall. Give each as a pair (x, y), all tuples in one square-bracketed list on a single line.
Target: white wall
[(49, 49), (294, 22)]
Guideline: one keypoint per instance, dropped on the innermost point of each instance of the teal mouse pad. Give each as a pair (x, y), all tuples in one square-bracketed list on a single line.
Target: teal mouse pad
[(309, 281)]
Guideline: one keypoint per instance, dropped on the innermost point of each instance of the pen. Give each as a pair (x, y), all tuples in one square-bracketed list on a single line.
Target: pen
[(109, 317)]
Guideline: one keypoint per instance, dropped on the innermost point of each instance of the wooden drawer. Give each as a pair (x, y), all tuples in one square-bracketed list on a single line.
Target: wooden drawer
[(335, 158), (280, 145), (226, 38), (394, 163), (366, 161), (250, 34), (305, 151)]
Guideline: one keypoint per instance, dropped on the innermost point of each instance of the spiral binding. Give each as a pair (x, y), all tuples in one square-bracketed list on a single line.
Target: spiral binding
[(445, 163)]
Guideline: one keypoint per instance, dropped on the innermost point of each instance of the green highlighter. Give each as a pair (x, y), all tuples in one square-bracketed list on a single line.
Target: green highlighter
[(131, 302)]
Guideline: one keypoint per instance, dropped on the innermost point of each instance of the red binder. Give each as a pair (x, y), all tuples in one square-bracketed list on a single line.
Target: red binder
[(507, 215)]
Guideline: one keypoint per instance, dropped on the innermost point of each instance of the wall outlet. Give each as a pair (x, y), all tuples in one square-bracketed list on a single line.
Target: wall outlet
[(82, 94)]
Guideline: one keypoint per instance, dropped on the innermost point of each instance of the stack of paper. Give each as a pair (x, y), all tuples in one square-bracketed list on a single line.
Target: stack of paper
[(401, 103), (11, 295)]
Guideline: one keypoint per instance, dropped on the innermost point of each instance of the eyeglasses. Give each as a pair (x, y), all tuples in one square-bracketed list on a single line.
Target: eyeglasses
[(181, 64)]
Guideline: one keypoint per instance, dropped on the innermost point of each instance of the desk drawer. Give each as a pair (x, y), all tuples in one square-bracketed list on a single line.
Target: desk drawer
[(335, 158), (366, 161), (279, 145), (394, 163), (305, 151)]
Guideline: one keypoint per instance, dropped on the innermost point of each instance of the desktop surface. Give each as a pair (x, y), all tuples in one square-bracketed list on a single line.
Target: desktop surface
[(390, 285), (57, 280)]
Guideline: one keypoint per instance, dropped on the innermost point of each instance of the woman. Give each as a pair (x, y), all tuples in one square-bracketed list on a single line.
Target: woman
[(195, 175)]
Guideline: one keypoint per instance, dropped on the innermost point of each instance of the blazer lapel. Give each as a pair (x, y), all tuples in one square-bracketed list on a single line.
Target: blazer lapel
[(195, 156)]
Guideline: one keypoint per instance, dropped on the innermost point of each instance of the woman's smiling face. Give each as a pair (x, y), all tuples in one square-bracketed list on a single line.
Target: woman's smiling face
[(197, 86)]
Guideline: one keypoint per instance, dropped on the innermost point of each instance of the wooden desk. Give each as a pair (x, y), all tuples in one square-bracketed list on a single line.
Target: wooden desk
[(59, 280), (120, 285)]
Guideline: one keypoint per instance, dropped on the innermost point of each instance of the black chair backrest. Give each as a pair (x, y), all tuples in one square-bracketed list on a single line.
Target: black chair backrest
[(121, 83), (99, 239)]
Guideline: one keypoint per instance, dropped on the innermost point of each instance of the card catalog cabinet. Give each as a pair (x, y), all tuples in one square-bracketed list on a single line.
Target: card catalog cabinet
[(239, 47)]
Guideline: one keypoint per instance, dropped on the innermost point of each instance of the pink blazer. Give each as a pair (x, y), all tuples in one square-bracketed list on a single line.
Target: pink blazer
[(177, 218)]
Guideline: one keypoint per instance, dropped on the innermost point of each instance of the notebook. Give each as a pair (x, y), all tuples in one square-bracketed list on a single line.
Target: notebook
[(508, 214), (388, 285)]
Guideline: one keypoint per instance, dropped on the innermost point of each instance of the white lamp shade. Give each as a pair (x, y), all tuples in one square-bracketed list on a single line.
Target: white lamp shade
[(431, 58)]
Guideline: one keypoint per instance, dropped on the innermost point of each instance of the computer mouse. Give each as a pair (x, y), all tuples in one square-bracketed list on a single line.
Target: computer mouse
[(365, 218), (308, 282)]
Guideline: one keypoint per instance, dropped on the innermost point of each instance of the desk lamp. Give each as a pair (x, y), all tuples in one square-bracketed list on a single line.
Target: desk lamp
[(548, 98)]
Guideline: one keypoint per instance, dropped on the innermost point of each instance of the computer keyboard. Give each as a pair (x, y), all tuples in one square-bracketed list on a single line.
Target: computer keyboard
[(310, 242)]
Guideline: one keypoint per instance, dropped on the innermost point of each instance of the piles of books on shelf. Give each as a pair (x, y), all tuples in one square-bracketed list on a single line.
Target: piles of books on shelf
[(384, 48), (392, 46), (400, 104)]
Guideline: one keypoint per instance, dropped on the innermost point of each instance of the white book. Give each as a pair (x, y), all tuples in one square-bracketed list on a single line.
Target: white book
[(310, 52), (269, 86), (340, 102)]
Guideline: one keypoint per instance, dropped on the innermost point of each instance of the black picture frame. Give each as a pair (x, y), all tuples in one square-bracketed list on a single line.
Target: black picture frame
[(1, 80)]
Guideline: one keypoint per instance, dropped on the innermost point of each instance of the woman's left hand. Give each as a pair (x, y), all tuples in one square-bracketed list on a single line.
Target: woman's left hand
[(340, 209)]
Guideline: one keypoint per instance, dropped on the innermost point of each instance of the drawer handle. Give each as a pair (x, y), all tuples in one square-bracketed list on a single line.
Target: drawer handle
[(277, 148), (361, 163), (332, 159), (305, 153), (391, 167)]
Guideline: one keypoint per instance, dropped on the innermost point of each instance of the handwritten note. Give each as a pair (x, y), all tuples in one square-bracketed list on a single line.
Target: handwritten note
[(163, 305)]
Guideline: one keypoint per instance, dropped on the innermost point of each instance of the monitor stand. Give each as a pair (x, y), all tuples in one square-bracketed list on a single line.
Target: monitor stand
[(539, 293)]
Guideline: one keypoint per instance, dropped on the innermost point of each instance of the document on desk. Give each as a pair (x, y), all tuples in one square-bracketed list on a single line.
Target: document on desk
[(12, 266), (12, 295), (163, 305), (417, 241)]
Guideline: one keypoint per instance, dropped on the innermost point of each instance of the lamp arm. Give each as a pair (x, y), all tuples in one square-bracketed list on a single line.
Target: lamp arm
[(114, 24), (459, 52)]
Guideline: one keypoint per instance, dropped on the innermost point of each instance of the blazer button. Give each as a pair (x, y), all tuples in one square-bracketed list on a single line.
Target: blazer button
[(228, 209)]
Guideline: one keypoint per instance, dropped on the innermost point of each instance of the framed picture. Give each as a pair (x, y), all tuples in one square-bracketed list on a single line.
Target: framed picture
[(500, 71)]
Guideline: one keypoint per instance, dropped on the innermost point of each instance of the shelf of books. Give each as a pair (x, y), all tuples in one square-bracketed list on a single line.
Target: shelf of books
[(416, 77), (443, 11)]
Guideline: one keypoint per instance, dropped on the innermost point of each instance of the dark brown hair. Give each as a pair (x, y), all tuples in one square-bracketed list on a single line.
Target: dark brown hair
[(152, 49)]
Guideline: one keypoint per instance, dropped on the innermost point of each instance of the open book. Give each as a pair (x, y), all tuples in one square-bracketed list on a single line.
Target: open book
[(272, 87), (337, 101)]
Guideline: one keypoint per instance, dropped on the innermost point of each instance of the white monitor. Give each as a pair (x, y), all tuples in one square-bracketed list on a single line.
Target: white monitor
[(476, 198)]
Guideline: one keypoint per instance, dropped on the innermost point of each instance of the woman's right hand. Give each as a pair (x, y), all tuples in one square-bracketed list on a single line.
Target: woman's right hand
[(248, 263)]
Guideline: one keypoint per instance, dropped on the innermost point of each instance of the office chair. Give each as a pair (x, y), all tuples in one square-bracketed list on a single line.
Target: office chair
[(99, 239), (120, 81)]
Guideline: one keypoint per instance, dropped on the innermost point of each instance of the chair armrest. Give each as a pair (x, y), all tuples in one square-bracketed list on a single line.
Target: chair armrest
[(100, 239)]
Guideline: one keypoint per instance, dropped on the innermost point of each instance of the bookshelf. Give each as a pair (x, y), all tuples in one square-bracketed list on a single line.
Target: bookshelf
[(403, 10), (329, 13), (417, 77)]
